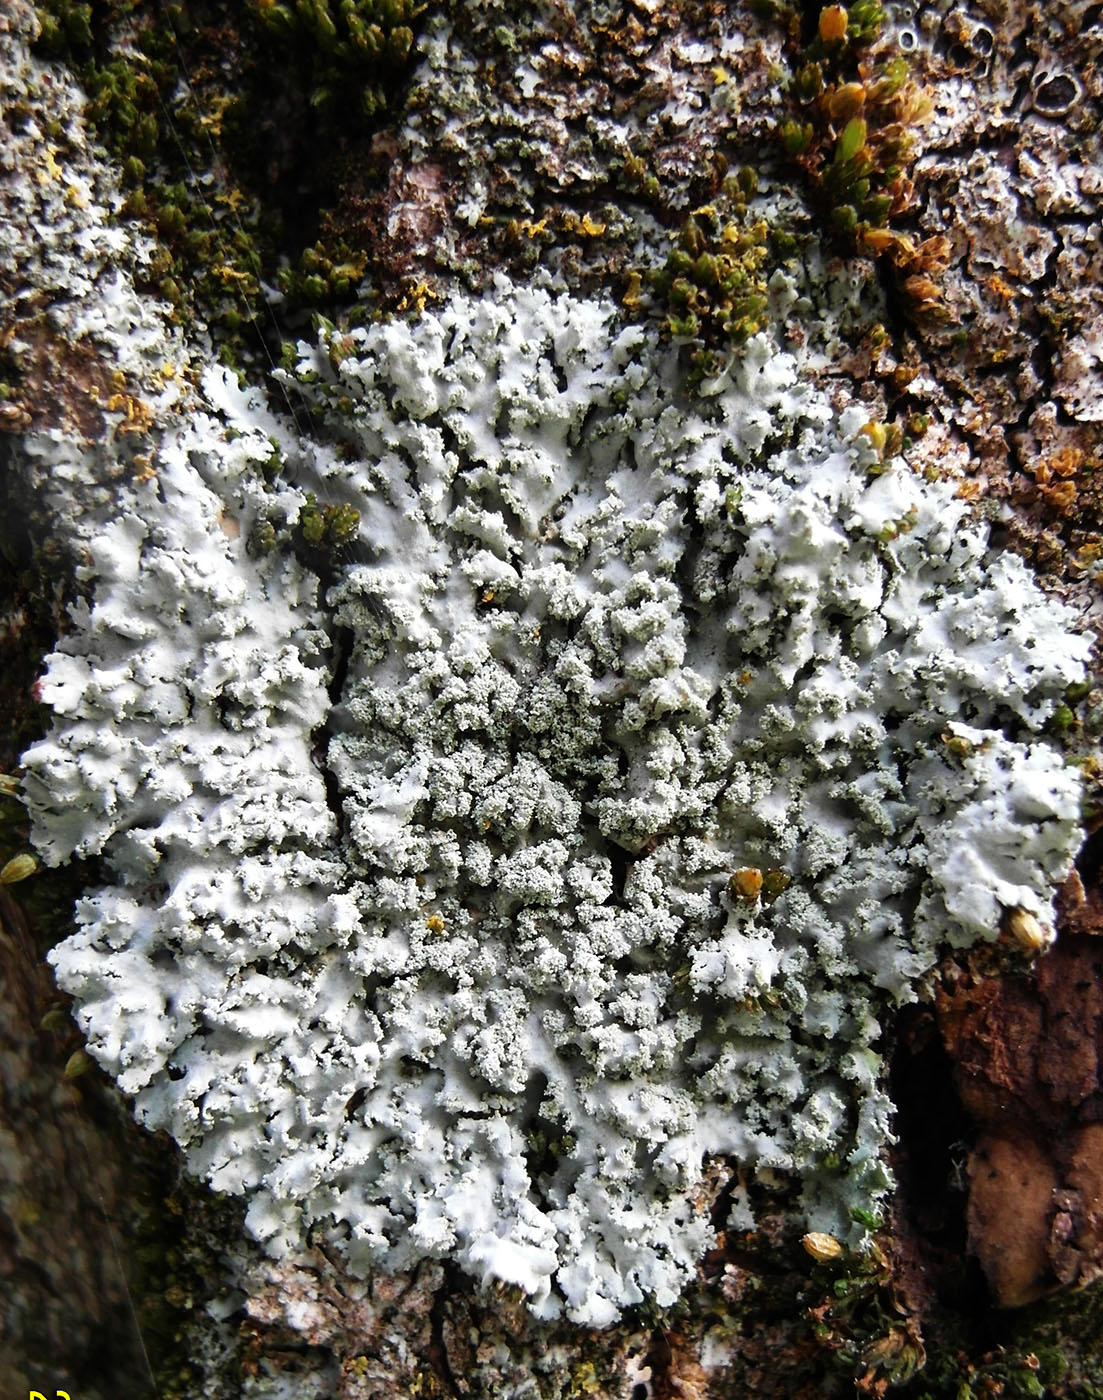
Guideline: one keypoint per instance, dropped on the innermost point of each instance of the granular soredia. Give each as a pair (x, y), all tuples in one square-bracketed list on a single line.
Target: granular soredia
[(668, 744)]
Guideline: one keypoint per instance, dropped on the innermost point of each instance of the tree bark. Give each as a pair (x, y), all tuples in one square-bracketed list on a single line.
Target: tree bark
[(574, 138)]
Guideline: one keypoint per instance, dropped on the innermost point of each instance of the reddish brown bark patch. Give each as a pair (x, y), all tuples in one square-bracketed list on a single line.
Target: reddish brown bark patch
[(1012, 1182), (1027, 1051)]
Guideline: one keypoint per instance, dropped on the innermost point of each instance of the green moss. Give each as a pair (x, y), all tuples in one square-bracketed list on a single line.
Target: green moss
[(326, 272), (263, 538), (352, 49), (327, 529), (714, 283), (850, 133), (1061, 720), (165, 139), (774, 883), (64, 24), (229, 176), (1079, 690)]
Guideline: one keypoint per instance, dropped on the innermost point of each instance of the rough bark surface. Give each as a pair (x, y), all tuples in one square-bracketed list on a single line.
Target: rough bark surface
[(577, 139)]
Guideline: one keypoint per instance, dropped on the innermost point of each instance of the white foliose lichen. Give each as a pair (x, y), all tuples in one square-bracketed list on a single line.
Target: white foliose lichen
[(669, 745)]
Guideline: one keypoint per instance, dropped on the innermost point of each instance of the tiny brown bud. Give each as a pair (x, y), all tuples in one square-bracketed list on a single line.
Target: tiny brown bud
[(833, 23), (1025, 931), (18, 868), (746, 883), (822, 1247), (78, 1063)]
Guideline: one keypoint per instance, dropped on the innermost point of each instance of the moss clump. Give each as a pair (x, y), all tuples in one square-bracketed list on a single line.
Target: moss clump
[(861, 1321), (64, 24), (327, 529), (714, 283), (231, 179), (157, 103), (325, 272), (352, 49), (855, 110)]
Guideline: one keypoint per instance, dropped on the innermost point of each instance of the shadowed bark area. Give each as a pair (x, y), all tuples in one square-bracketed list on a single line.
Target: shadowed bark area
[(67, 1321)]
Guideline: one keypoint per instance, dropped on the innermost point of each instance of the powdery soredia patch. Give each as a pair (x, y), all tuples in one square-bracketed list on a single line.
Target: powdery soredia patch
[(672, 744)]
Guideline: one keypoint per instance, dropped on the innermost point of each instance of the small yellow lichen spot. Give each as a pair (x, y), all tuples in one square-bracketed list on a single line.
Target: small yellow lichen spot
[(228, 275), (233, 199), (50, 168), (354, 268), (592, 226), (74, 196), (1061, 495), (833, 22), (137, 417), (585, 1380), (876, 434), (434, 923), (998, 287), (631, 297), (416, 296), (720, 76), (1067, 461), (211, 120), (746, 883)]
